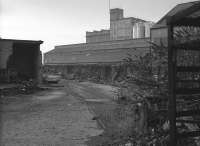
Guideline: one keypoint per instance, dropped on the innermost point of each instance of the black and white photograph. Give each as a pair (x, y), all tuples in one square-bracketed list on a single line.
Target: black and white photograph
[(99, 72)]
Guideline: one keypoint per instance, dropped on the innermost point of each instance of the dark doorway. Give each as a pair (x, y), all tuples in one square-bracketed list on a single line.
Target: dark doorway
[(22, 64)]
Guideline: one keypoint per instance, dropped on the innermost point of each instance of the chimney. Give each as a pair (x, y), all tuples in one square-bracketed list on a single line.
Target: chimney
[(116, 14)]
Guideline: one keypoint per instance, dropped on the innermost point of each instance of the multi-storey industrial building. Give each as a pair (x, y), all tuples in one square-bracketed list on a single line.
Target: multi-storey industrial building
[(126, 36), (121, 28)]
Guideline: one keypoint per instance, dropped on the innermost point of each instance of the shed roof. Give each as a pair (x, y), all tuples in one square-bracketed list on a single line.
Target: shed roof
[(183, 14), (23, 41)]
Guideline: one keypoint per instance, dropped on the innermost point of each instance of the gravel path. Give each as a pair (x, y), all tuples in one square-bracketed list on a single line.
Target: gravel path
[(48, 118)]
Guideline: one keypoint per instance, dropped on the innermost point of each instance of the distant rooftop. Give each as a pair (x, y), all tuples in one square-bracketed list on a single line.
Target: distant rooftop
[(116, 9), (22, 41)]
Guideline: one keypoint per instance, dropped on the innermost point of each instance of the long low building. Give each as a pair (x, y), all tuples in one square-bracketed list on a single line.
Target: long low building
[(126, 36), (101, 52), (104, 49)]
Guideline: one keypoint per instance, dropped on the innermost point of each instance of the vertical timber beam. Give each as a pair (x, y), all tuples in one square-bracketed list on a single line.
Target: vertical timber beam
[(38, 64), (171, 80)]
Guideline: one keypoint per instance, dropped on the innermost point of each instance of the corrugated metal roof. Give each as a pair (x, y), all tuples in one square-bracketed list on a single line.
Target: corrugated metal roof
[(94, 56), (180, 8), (194, 15), (132, 43)]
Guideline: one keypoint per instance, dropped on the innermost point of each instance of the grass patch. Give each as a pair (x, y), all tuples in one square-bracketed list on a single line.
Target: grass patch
[(116, 119)]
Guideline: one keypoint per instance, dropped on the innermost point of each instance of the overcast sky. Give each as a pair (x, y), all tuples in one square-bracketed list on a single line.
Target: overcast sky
[(59, 22)]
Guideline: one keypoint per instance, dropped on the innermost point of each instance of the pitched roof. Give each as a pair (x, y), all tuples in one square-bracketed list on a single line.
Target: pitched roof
[(181, 8), (107, 45), (22, 41)]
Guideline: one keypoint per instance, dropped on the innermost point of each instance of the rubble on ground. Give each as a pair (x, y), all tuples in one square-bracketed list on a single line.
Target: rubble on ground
[(23, 87)]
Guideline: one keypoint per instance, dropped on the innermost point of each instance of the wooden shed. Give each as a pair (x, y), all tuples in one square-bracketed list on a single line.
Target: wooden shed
[(179, 29), (20, 60)]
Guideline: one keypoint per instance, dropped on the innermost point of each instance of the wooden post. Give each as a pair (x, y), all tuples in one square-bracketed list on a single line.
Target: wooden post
[(171, 80), (38, 64)]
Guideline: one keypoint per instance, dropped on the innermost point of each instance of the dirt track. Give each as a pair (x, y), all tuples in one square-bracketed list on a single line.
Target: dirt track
[(50, 118)]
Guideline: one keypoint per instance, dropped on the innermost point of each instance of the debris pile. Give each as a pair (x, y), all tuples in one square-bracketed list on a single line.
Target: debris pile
[(23, 87)]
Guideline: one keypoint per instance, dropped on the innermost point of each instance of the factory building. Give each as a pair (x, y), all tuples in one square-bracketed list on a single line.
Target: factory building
[(121, 28), (93, 53), (124, 33), (98, 36), (126, 36)]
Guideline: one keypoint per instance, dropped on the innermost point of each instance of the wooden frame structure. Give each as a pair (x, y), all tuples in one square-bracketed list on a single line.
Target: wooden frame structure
[(189, 16), (185, 15)]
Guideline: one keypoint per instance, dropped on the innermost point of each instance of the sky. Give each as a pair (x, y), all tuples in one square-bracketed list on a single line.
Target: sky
[(62, 22)]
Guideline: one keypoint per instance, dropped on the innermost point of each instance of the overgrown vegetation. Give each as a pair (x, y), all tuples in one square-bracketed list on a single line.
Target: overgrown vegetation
[(148, 81), (144, 93)]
